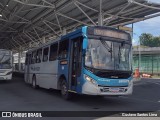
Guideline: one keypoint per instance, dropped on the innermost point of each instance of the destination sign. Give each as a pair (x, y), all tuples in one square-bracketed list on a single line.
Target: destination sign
[(109, 33)]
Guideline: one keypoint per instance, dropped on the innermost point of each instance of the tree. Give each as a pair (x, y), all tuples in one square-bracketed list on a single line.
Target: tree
[(147, 39)]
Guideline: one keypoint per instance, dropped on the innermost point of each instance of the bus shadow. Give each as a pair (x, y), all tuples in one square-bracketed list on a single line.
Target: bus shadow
[(94, 102), (50, 92), (97, 102), (78, 99), (5, 82)]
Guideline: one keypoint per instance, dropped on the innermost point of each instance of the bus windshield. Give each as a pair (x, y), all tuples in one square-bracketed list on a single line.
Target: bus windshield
[(108, 55), (5, 60)]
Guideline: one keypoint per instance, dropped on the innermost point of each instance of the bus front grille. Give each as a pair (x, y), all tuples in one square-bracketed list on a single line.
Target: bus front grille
[(107, 89), (2, 71), (113, 86)]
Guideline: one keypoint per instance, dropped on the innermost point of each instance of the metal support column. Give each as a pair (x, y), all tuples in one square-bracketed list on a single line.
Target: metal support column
[(19, 58), (30, 45), (139, 63), (100, 17), (64, 31), (132, 30), (152, 65), (43, 40)]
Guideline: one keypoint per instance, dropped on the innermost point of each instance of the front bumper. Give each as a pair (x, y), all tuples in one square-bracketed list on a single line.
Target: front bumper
[(6, 77), (92, 89)]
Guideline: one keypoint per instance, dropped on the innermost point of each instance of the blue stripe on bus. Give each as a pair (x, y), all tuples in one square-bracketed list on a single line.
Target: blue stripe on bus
[(106, 81)]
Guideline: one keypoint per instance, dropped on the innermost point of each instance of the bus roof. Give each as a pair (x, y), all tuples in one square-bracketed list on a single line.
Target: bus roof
[(58, 39), (74, 33)]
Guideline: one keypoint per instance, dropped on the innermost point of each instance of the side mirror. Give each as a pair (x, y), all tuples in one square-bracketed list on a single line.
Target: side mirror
[(83, 52)]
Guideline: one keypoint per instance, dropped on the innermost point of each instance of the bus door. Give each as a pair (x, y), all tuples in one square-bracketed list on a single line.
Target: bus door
[(75, 62)]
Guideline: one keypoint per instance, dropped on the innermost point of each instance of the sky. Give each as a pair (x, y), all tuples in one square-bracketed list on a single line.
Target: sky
[(154, 1), (147, 26), (151, 26)]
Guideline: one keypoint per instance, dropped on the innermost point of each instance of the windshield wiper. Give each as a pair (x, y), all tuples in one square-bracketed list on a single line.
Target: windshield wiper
[(106, 46)]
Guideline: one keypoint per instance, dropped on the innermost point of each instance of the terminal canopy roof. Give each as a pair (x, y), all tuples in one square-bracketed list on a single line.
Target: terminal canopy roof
[(26, 23)]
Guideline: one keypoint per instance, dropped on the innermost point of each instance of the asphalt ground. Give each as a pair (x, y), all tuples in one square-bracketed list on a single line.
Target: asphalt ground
[(15, 95)]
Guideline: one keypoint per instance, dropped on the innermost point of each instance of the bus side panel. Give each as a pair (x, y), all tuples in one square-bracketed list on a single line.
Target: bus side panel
[(47, 75), (63, 69)]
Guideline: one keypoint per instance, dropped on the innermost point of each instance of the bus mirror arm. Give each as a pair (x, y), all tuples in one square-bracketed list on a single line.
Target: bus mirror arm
[(83, 53)]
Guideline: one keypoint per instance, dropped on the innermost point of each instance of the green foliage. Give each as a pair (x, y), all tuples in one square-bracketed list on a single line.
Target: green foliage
[(147, 39)]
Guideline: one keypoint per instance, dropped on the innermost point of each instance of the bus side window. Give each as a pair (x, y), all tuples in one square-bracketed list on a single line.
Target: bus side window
[(53, 52), (33, 57), (45, 54), (39, 56), (63, 49)]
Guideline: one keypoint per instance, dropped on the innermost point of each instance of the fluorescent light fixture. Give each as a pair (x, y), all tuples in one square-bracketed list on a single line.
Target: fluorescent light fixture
[(0, 15)]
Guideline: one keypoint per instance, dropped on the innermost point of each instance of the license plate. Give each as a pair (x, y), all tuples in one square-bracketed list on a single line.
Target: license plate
[(114, 89)]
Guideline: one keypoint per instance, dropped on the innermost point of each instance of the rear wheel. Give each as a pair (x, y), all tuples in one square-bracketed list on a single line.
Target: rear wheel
[(34, 83), (64, 90)]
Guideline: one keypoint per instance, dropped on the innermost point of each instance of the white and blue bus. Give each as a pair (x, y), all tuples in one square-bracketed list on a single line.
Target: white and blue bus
[(6, 64), (91, 60)]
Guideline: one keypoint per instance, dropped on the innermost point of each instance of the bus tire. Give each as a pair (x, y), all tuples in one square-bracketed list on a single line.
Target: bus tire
[(34, 83), (64, 90)]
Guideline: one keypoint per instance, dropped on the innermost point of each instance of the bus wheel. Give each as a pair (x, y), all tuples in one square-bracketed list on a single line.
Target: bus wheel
[(64, 90), (34, 85)]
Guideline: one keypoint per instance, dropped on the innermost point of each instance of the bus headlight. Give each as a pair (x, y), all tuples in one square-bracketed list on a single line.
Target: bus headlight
[(89, 79)]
